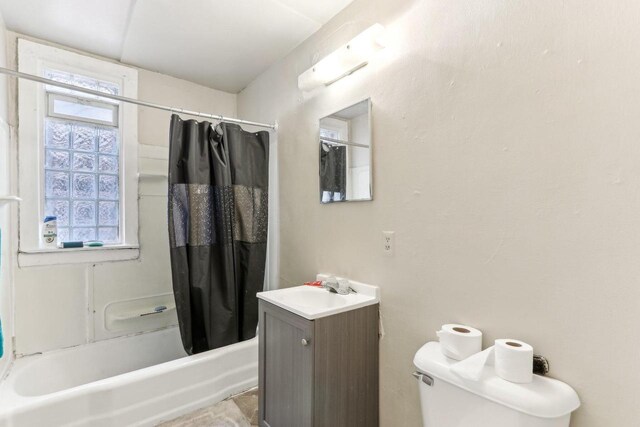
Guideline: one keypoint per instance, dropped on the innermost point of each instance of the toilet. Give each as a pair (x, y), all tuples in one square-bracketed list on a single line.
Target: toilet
[(449, 400)]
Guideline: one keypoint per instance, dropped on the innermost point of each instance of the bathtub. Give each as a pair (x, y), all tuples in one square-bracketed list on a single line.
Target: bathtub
[(139, 380)]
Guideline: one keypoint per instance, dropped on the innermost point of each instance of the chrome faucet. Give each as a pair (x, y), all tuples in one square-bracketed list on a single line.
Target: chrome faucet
[(338, 286), (332, 285)]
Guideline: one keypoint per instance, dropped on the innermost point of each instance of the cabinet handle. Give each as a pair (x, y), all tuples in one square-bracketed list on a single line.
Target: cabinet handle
[(305, 342)]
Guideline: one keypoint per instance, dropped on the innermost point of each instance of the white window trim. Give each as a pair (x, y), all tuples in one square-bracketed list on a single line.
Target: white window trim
[(34, 58)]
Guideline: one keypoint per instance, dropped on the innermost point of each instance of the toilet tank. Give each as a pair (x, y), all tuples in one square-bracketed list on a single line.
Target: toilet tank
[(448, 400)]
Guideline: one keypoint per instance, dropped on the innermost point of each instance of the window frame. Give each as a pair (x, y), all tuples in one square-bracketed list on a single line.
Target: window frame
[(35, 58)]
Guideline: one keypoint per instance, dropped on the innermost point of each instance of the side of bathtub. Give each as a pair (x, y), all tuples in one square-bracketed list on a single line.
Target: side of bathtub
[(58, 370), (147, 396)]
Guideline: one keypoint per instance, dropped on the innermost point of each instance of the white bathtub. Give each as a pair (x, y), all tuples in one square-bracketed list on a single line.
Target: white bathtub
[(139, 380)]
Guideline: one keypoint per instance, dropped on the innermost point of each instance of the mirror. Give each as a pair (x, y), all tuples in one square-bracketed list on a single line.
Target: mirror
[(345, 155)]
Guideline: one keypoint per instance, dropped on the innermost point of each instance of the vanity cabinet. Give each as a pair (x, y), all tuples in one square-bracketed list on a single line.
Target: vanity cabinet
[(318, 373)]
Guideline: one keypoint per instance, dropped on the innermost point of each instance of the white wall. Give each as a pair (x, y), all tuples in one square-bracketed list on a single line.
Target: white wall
[(506, 158), (63, 306), (6, 305)]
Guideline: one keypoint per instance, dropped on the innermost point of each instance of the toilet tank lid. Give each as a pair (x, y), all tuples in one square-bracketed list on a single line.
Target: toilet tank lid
[(544, 397)]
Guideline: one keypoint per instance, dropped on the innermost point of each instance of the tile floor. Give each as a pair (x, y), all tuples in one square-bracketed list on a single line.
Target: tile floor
[(237, 411)]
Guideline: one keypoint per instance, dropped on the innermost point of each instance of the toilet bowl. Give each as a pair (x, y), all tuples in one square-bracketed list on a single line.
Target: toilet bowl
[(449, 400)]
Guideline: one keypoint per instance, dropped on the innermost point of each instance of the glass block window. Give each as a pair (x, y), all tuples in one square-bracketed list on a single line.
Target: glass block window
[(80, 81), (82, 169)]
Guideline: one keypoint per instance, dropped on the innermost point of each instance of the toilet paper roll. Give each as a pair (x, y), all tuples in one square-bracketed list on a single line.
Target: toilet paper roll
[(459, 341), (513, 360)]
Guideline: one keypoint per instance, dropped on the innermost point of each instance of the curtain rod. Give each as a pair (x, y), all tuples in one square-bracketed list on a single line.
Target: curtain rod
[(342, 142), (38, 79)]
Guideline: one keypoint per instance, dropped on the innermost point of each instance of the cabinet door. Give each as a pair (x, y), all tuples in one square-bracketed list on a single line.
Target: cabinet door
[(286, 368)]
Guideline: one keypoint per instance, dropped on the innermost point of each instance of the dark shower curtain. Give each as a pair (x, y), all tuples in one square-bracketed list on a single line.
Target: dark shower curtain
[(218, 209), (333, 171)]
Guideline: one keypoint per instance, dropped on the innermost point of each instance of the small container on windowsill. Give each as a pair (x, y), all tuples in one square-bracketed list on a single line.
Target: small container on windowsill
[(78, 244), (49, 231)]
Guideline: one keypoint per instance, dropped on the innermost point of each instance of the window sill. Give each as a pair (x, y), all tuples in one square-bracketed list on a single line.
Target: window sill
[(37, 257)]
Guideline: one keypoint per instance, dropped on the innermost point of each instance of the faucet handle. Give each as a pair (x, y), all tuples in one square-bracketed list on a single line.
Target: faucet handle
[(331, 284), (331, 280), (343, 286), (338, 286)]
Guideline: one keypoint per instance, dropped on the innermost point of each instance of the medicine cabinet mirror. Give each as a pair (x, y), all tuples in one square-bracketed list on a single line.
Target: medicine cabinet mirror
[(345, 155)]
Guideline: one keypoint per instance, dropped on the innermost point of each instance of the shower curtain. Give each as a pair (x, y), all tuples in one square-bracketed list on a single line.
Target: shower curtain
[(218, 206), (333, 172)]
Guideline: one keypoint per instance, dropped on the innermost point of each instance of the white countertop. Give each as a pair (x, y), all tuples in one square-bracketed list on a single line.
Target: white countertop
[(313, 302)]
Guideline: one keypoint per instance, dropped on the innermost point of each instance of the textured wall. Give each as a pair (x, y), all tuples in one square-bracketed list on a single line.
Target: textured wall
[(54, 305), (506, 147)]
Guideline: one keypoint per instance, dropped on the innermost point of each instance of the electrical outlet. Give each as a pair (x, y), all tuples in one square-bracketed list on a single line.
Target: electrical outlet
[(388, 241)]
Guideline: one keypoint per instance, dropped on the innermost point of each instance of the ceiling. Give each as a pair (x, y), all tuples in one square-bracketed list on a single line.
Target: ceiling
[(223, 44)]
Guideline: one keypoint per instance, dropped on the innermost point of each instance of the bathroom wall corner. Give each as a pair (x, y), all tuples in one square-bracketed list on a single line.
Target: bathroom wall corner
[(6, 262)]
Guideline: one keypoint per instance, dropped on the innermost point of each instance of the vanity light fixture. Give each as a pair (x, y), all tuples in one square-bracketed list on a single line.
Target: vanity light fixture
[(343, 61)]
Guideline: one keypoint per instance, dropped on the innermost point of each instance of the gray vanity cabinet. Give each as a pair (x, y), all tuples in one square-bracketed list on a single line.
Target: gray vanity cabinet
[(318, 373)]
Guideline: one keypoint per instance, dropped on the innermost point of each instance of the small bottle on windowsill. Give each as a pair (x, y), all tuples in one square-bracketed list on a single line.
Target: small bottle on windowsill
[(50, 232)]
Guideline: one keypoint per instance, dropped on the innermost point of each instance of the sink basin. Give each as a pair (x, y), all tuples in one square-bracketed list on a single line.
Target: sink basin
[(309, 298), (313, 303)]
